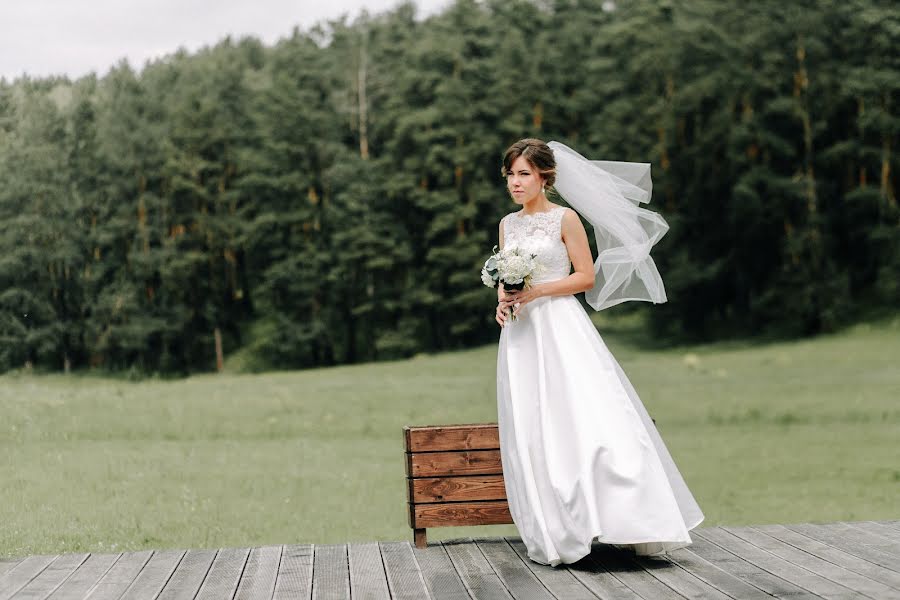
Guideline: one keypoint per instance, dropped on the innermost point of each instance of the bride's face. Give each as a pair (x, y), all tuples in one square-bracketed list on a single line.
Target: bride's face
[(523, 181)]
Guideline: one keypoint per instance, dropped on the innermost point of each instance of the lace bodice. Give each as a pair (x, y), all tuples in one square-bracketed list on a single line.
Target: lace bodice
[(540, 234)]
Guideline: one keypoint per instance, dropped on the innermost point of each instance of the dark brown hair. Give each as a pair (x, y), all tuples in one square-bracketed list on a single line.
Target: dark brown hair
[(537, 153)]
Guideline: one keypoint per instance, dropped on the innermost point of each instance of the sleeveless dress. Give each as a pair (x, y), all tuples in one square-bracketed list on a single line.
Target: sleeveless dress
[(582, 460)]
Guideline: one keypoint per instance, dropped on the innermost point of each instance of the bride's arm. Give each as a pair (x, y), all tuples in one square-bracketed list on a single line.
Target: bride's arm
[(502, 296), (580, 280), (501, 293)]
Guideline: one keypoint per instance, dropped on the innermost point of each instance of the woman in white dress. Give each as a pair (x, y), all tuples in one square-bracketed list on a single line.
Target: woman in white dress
[(582, 460)]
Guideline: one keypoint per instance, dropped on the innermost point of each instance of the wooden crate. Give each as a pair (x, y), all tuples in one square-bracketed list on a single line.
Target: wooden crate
[(454, 477)]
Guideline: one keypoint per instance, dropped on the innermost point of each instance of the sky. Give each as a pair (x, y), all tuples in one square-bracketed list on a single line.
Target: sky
[(72, 37)]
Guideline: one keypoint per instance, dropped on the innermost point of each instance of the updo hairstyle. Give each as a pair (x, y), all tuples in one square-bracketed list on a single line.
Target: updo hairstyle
[(537, 153)]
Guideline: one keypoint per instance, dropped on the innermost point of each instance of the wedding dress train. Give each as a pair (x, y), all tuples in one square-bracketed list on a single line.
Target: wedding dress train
[(582, 460)]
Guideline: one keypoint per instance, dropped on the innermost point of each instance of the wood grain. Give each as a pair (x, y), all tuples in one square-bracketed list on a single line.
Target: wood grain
[(432, 438), (455, 514), (456, 489), (450, 463)]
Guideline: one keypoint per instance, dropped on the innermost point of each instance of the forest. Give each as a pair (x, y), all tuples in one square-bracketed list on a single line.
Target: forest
[(331, 198)]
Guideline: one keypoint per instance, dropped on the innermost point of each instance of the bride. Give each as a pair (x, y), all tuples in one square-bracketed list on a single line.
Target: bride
[(582, 460)]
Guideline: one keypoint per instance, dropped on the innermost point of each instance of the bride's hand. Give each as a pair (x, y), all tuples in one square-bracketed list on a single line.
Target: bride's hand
[(501, 315), (523, 297), (503, 308)]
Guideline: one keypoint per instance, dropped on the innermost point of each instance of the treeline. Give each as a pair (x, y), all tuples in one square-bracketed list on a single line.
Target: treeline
[(330, 199)]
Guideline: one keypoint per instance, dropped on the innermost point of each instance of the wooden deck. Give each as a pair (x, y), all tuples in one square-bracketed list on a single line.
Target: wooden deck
[(858, 559)]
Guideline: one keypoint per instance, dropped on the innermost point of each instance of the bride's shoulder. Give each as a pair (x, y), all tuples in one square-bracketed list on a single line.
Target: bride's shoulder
[(568, 212), (511, 215)]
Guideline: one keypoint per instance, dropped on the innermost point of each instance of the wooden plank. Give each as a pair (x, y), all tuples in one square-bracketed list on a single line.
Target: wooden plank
[(876, 528), (439, 574), (892, 524), (189, 575), (258, 578), (457, 489), (832, 554), (77, 585), (295, 573), (716, 577), (404, 577), (153, 577), (864, 537), (477, 575), (800, 577), (462, 513), (367, 577), (517, 577), (869, 553), (432, 438), (446, 464), (746, 571), (836, 573), (558, 581), (618, 562), (222, 579), (882, 535), (117, 579), (51, 578), (7, 564), (670, 574), (18, 577), (331, 575)]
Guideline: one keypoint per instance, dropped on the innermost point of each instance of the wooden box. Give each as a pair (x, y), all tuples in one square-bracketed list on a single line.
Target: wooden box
[(454, 477)]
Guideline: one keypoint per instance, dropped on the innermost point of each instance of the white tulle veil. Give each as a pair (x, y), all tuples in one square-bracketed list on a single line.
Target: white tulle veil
[(608, 194)]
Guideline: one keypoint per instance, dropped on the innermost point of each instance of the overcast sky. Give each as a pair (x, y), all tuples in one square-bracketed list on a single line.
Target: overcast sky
[(72, 37)]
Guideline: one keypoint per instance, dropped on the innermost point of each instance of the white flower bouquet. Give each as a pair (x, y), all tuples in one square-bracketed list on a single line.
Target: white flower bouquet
[(510, 267)]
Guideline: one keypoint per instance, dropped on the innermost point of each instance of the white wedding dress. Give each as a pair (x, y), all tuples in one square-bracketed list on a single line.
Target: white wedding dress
[(582, 460)]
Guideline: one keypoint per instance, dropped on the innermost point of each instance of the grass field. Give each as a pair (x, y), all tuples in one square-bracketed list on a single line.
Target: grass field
[(763, 433)]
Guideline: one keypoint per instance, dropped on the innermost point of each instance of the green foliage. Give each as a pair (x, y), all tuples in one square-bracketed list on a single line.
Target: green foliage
[(330, 199)]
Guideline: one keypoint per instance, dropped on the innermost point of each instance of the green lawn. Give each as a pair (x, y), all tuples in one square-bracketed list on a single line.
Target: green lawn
[(782, 432)]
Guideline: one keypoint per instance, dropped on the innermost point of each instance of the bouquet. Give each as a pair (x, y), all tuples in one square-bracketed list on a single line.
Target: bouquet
[(510, 267)]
